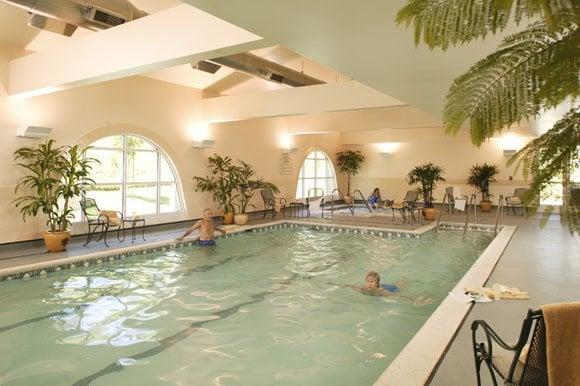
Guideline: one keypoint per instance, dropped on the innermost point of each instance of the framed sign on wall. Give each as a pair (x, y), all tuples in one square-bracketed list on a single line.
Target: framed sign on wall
[(285, 165)]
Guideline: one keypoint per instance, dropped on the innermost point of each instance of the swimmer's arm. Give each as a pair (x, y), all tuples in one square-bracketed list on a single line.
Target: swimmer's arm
[(195, 226), (221, 229)]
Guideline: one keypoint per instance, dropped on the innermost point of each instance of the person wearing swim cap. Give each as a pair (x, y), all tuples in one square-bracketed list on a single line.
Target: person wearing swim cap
[(206, 230)]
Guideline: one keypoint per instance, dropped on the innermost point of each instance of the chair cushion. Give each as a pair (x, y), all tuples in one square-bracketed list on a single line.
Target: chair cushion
[(515, 200), (503, 360), (397, 204), (92, 211)]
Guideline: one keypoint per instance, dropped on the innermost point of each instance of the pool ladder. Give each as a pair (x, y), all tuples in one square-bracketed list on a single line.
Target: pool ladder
[(498, 213), (472, 203)]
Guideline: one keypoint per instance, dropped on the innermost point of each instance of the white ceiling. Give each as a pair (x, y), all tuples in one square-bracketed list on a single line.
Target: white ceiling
[(358, 39), (14, 32)]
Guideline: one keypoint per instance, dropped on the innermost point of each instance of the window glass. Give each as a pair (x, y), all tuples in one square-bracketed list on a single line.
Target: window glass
[(166, 171), (168, 198), (134, 177), (141, 166), (112, 142), (110, 166), (141, 199), (316, 172), (108, 197)]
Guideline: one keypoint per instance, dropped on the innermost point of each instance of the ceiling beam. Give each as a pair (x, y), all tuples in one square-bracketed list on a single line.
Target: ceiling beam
[(315, 99), (168, 38)]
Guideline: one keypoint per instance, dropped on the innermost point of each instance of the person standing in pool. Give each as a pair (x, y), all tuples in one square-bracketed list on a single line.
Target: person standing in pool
[(206, 230)]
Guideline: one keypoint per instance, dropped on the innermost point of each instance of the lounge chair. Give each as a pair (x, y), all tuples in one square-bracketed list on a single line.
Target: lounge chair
[(273, 203), (517, 201), (101, 220), (521, 364), (409, 204)]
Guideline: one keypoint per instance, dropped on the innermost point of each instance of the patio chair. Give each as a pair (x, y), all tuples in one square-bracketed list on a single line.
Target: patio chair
[(449, 197), (314, 194), (409, 204), (272, 202), (517, 201), (101, 220), (517, 364)]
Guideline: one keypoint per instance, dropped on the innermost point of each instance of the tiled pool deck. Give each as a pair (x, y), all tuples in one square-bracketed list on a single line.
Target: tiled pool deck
[(521, 265)]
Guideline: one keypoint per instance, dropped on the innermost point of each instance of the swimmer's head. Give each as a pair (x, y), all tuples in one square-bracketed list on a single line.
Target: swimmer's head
[(373, 280), (207, 214)]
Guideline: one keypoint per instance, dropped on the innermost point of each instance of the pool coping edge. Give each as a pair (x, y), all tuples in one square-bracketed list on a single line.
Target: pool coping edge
[(415, 364)]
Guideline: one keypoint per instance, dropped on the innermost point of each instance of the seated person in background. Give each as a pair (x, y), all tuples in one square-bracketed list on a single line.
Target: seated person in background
[(206, 230), (375, 199)]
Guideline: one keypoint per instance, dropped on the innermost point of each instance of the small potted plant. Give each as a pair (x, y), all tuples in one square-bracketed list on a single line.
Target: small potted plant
[(427, 175), (221, 184), (480, 176), (246, 186), (56, 175), (349, 162)]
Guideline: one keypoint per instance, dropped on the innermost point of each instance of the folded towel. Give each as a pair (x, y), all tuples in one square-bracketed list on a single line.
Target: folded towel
[(112, 216), (460, 204), (562, 343), (499, 291)]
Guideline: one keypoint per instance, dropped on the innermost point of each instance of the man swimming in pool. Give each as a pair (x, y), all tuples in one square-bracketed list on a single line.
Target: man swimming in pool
[(206, 230)]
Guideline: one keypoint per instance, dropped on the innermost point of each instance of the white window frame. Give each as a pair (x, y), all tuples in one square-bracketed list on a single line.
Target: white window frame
[(301, 179), (158, 182)]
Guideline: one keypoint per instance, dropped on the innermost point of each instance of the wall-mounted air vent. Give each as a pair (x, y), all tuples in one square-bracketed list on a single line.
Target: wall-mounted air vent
[(103, 17)]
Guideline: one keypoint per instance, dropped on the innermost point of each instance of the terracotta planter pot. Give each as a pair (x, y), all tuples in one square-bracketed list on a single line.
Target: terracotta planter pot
[(241, 218), (56, 241), (429, 213), (485, 206), (228, 218), (348, 200)]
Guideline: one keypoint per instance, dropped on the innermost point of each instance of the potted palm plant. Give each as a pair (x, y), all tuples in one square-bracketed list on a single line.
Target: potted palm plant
[(349, 162), (56, 175), (221, 184), (246, 186), (427, 175), (480, 176)]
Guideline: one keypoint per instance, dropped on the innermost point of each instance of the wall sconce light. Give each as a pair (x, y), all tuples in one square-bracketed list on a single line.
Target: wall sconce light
[(387, 149), (510, 144), (27, 131), (289, 150), (203, 144)]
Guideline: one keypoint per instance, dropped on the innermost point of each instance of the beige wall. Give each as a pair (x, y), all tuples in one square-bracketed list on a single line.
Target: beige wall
[(455, 155), (161, 111), (167, 113)]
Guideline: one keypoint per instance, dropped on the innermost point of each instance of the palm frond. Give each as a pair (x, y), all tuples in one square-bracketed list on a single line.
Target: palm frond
[(444, 23), (507, 86)]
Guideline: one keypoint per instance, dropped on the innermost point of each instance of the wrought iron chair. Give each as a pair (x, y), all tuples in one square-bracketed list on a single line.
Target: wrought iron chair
[(409, 204), (517, 201), (271, 201), (99, 221), (523, 364)]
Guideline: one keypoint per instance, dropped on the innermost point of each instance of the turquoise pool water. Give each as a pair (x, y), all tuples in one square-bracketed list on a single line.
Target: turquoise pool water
[(264, 308)]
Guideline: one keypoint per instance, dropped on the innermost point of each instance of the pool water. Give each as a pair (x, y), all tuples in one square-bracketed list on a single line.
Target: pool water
[(263, 308)]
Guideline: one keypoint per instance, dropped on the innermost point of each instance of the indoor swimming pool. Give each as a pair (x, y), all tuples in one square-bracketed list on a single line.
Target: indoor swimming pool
[(262, 308)]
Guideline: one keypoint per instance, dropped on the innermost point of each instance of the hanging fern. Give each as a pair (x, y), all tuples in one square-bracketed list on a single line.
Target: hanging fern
[(531, 70), (552, 154), (444, 23)]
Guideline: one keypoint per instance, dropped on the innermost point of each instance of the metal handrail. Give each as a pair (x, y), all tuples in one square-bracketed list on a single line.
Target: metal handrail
[(498, 213), (340, 194), (474, 206), (363, 198)]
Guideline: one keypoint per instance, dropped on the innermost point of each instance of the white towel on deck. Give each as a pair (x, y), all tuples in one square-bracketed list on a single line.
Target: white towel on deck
[(460, 204), (315, 205)]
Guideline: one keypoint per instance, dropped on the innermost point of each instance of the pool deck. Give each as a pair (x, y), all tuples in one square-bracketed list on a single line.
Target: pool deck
[(543, 261)]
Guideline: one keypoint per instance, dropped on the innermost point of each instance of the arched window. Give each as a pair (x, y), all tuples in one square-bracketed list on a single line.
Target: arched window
[(316, 172), (134, 176)]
